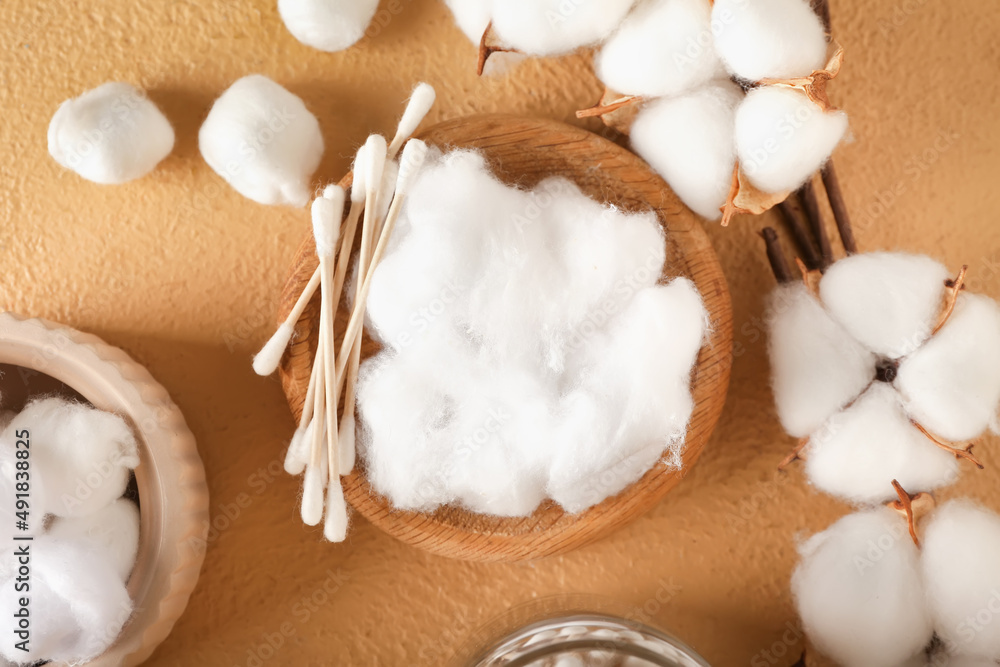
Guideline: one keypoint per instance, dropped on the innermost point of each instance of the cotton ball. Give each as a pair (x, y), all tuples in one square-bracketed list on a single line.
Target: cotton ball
[(952, 383), (783, 138), (631, 399), (78, 602), (6, 416), (859, 592), (327, 25), (663, 48), (887, 301), (112, 532), (552, 27), (776, 39), (11, 514), (111, 134), (857, 453), (689, 141), (82, 456), (817, 368), (943, 659), (263, 141), (960, 546)]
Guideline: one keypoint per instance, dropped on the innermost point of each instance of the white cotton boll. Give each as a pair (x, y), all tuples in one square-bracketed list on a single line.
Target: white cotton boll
[(263, 141), (857, 453), (78, 602), (783, 138), (689, 141), (859, 592), (327, 25), (111, 134), (552, 27), (664, 47), (112, 532), (817, 367), (83, 456), (769, 39), (472, 17), (952, 383), (267, 360), (631, 402), (887, 301), (960, 546)]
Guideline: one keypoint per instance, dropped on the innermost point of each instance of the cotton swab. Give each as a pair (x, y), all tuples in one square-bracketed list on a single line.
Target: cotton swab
[(266, 361), (412, 159), (417, 109), (327, 213)]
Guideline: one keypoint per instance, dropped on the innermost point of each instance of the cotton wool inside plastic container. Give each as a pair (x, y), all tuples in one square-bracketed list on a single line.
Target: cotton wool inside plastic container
[(81, 457), (512, 320)]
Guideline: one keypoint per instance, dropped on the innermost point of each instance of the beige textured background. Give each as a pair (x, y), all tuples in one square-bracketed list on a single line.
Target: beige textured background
[(183, 273)]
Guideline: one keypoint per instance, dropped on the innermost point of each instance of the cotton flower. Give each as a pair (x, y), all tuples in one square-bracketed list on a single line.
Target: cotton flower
[(862, 374)]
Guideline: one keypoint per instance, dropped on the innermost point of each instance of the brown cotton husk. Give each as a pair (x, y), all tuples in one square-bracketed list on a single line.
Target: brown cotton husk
[(745, 198), (488, 45), (617, 111), (912, 507), (814, 85)]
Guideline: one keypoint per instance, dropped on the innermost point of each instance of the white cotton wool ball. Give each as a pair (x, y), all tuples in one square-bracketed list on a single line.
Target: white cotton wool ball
[(962, 574), (817, 368), (6, 416), (857, 453), (24, 503), (553, 27), (769, 39), (78, 602), (689, 141), (112, 532), (888, 301), (263, 141), (111, 134), (327, 25), (859, 592), (627, 403), (664, 47), (82, 456), (783, 138), (952, 383)]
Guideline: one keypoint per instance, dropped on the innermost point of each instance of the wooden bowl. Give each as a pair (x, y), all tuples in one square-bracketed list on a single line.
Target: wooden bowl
[(524, 151), (39, 357)]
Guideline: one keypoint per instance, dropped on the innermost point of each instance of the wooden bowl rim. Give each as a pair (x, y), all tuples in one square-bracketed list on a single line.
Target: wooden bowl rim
[(173, 494), (435, 532)]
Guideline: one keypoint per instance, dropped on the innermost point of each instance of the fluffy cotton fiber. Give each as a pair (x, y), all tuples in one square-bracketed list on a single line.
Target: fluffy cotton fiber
[(263, 141), (529, 350), (783, 138), (81, 457), (777, 39), (111, 134), (78, 601), (860, 593), (112, 531), (552, 27), (688, 139), (960, 546), (664, 47), (327, 25)]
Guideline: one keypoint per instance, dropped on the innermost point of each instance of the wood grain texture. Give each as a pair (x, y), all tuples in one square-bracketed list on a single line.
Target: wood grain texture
[(523, 152)]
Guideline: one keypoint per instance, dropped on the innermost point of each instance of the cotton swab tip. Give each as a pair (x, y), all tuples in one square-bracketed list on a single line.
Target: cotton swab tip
[(359, 171), (326, 224), (295, 458), (414, 154), (266, 361), (375, 157), (417, 109), (346, 451), (312, 496), (335, 526)]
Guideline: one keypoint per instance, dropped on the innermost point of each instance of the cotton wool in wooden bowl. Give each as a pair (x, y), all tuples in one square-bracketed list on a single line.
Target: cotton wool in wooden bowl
[(526, 153), (59, 372)]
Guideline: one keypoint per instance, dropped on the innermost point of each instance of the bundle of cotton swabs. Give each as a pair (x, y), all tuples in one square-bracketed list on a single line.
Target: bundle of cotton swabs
[(322, 448)]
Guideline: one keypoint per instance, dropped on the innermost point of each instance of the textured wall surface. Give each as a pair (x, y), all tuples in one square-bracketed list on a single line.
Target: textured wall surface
[(183, 273)]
